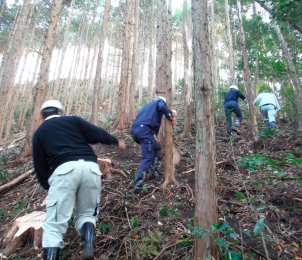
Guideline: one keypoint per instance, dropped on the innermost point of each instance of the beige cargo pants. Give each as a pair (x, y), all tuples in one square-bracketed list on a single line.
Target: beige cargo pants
[(74, 185)]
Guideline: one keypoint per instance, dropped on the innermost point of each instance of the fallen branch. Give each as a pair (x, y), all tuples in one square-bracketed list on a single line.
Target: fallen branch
[(16, 181)]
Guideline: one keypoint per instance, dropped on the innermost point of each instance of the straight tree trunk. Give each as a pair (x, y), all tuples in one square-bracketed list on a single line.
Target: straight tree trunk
[(187, 86), (205, 165), (41, 85), (134, 66), (293, 74), (169, 166), (120, 120), (230, 43), (214, 56), (247, 74), (151, 62), (98, 75)]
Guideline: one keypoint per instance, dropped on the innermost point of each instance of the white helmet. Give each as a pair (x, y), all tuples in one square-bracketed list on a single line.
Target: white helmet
[(162, 98), (233, 87), (51, 105)]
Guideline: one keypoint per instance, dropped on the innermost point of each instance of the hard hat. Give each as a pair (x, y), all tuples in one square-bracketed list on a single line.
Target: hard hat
[(234, 87), (162, 98), (51, 105)]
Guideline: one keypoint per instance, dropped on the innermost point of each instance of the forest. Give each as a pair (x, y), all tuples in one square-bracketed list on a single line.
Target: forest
[(221, 196)]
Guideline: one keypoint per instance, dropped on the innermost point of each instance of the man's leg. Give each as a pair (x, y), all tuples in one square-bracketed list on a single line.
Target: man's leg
[(60, 203), (228, 111), (271, 116), (238, 118), (263, 111), (155, 164), (86, 208)]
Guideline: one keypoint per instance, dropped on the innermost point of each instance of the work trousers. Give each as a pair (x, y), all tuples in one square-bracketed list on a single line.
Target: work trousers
[(229, 108), (144, 136), (268, 112), (74, 185)]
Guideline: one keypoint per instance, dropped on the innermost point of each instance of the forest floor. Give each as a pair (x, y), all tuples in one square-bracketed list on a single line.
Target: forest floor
[(254, 182)]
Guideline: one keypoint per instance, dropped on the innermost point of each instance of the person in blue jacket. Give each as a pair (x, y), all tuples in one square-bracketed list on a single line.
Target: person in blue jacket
[(231, 106), (144, 131)]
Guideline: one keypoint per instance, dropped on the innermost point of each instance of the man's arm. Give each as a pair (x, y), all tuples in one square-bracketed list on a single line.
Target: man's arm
[(43, 172), (166, 111)]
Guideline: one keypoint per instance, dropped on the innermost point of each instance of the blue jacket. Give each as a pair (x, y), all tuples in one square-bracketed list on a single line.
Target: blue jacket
[(233, 95), (151, 114)]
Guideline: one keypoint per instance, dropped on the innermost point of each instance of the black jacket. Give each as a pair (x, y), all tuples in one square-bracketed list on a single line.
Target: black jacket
[(63, 139)]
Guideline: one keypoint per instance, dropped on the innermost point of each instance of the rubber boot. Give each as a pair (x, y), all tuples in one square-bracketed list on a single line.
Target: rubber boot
[(155, 173), (229, 128), (267, 123), (51, 253), (87, 232), (139, 179), (272, 125), (235, 126)]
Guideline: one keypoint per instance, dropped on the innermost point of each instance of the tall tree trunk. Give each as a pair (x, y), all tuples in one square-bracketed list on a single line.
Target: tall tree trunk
[(187, 86), (41, 85), (205, 165), (247, 74), (230, 43), (120, 120), (134, 66), (169, 166), (151, 63), (214, 56), (293, 74), (98, 75)]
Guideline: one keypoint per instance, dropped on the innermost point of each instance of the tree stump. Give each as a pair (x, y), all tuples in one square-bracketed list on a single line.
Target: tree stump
[(26, 229), (107, 168)]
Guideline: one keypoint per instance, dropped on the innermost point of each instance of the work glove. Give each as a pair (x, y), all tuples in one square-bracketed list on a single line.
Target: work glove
[(247, 105)]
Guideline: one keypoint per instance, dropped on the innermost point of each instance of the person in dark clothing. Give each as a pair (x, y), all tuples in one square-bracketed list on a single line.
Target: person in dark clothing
[(66, 166), (231, 106), (144, 129)]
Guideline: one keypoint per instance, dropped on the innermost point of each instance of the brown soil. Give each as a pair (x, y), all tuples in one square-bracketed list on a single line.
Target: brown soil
[(153, 225)]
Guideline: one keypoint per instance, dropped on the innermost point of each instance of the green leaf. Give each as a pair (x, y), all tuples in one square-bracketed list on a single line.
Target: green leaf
[(219, 242), (235, 256), (256, 228), (239, 194), (222, 226), (271, 162), (297, 179), (145, 189), (247, 233), (197, 230)]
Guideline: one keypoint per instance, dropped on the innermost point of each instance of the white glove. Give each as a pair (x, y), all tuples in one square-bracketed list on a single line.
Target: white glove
[(248, 105)]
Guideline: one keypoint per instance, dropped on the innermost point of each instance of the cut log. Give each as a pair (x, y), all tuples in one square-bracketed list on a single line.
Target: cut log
[(26, 229), (16, 181), (107, 168)]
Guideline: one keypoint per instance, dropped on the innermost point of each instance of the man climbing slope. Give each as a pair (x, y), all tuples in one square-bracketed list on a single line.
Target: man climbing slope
[(231, 106), (66, 166), (268, 106), (144, 129)]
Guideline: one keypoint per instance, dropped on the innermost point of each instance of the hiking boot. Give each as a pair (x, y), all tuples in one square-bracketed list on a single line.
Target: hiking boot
[(155, 173), (87, 232), (235, 126), (139, 179), (267, 123), (51, 253), (272, 126)]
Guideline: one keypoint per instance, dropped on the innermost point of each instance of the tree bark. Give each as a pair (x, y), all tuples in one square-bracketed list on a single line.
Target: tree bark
[(169, 166), (98, 75), (293, 74), (41, 85), (120, 120), (134, 66), (205, 165), (247, 74), (187, 86), (214, 56), (151, 62), (230, 43)]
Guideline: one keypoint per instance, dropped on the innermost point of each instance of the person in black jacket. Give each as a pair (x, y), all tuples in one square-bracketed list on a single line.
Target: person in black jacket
[(66, 166), (231, 106)]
